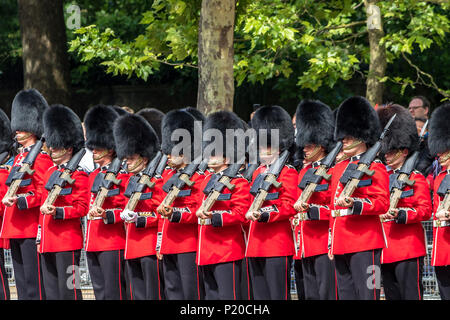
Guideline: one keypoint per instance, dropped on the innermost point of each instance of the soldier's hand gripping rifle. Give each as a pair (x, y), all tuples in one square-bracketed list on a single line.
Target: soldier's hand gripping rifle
[(354, 172), (216, 185), (173, 187), (261, 189), (58, 180), (17, 174), (311, 181), (444, 205), (398, 181), (136, 185), (103, 184)]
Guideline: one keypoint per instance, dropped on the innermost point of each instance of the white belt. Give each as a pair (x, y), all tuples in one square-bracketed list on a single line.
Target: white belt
[(386, 220), (341, 213), (439, 223), (204, 222), (94, 218)]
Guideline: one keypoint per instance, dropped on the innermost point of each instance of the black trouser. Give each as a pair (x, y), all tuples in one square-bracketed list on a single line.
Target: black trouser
[(144, 278), (299, 284), (402, 280), (27, 269), (246, 285), (358, 275), (222, 280), (61, 274), (4, 286), (181, 277), (107, 272), (319, 278), (271, 277), (443, 280)]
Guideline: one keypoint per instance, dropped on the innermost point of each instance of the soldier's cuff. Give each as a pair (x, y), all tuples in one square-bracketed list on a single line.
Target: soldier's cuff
[(141, 222), (110, 218), (217, 220), (59, 215), (265, 217), (357, 207), (402, 217), (176, 216), (22, 203), (313, 212)]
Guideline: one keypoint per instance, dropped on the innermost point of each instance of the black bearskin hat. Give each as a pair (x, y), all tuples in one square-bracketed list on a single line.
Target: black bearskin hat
[(178, 119), (315, 124), (154, 117), (223, 120), (196, 114), (6, 135), (439, 130), (134, 135), (98, 123), (27, 111), (62, 128), (357, 118), (402, 133), (120, 111), (274, 117)]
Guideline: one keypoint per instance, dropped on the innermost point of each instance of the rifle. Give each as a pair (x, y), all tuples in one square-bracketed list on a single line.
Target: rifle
[(248, 173), (104, 182), (173, 187), (398, 181), (354, 173), (58, 179), (270, 179), (216, 185), (17, 174), (313, 177), (136, 185)]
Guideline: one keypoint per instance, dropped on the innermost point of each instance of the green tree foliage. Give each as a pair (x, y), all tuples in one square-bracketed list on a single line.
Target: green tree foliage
[(314, 43)]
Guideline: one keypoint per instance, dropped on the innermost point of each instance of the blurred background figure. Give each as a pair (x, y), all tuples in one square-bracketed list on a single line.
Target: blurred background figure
[(419, 107)]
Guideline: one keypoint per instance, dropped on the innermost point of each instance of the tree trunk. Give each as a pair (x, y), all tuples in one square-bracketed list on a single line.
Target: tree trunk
[(44, 44), (377, 67), (215, 56)]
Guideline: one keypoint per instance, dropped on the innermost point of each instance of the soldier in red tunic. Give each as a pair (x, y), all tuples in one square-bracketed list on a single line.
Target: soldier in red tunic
[(315, 128), (270, 244), (402, 260), (61, 236), (357, 237), (179, 228), (221, 243), (21, 216), (6, 160), (439, 143), (142, 222), (105, 234)]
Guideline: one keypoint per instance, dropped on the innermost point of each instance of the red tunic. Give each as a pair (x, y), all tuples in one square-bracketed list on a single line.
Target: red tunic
[(312, 235), (222, 239), (179, 235), (23, 223), (62, 232), (405, 236), (107, 234), (441, 235), (4, 172), (141, 236), (362, 230), (274, 238)]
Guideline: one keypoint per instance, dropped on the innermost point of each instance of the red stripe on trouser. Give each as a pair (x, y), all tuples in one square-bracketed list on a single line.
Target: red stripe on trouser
[(248, 279), (120, 282), (3, 284), (234, 283), (373, 273), (418, 277), (73, 274), (335, 284), (286, 280), (198, 285), (157, 273), (39, 276)]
